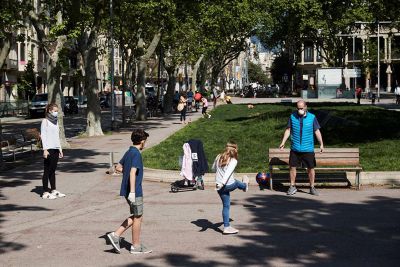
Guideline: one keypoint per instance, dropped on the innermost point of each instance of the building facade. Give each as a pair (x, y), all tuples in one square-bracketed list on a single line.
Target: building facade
[(362, 53)]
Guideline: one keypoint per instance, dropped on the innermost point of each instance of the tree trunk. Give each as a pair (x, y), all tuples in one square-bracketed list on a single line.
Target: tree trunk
[(53, 86), (214, 76), (54, 68), (169, 96), (5, 46), (93, 127), (141, 113), (203, 75), (194, 72)]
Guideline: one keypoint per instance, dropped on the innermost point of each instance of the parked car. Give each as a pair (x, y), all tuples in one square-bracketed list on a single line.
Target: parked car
[(71, 105), (150, 90), (39, 102), (38, 105)]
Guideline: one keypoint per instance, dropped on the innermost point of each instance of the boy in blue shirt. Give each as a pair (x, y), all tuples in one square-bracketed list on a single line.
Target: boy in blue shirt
[(131, 166)]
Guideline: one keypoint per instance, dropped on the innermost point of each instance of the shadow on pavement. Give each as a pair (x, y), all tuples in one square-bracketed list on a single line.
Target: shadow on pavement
[(312, 233), (205, 224), (178, 259), (74, 162), (8, 246), (286, 231)]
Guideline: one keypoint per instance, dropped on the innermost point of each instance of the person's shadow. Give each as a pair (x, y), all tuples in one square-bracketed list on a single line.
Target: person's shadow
[(38, 190), (205, 224)]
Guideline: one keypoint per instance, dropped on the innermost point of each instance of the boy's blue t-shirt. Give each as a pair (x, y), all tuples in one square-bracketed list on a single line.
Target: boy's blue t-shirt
[(132, 159)]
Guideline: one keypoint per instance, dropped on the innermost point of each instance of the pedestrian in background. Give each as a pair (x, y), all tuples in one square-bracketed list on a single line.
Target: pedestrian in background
[(302, 126), (176, 101), (197, 99), (182, 107), (52, 151), (131, 166), (222, 96), (358, 95), (215, 97), (189, 100), (205, 106), (224, 166), (397, 93)]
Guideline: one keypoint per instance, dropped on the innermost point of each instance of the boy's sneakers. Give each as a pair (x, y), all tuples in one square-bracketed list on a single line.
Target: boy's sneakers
[(230, 230), (314, 191), (114, 240), (209, 115), (58, 194), (292, 190), (47, 195), (140, 250), (245, 180)]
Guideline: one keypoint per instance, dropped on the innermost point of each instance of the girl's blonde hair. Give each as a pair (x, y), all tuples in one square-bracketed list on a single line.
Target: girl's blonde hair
[(231, 151)]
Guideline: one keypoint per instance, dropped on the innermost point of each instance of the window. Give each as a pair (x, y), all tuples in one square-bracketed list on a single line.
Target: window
[(22, 52), (308, 52), (32, 54), (73, 61)]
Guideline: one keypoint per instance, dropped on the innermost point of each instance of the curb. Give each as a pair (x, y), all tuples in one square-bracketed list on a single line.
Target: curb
[(366, 178)]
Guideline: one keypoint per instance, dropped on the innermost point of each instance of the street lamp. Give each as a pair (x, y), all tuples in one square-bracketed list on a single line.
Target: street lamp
[(379, 64), (112, 66)]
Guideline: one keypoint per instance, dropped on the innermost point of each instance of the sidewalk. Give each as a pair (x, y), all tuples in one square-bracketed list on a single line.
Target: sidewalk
[(182, 228)]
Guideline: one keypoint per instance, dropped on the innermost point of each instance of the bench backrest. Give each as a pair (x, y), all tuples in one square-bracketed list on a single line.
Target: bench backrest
[(31, 134), (330, 157)]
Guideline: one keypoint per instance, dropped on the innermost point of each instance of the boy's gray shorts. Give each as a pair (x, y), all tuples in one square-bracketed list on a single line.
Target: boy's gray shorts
[(136, 209)]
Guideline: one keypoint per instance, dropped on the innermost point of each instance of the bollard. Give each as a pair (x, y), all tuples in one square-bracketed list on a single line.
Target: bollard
[(112, 161)]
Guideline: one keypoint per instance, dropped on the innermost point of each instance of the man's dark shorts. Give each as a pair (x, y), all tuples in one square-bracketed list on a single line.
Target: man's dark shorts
[(136, 209), (302, 159)]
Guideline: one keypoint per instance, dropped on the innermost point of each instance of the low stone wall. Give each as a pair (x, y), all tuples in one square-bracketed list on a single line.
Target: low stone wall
[(367, 178)]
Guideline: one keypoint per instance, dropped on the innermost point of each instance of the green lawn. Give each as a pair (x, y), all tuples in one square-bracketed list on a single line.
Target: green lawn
[(374, 130)]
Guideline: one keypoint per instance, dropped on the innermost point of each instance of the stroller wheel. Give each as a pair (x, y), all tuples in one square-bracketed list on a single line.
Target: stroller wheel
[(200, 185), (174, 189)]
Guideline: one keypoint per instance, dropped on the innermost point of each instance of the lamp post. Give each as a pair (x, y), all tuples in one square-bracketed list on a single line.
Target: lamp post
[(378, 23), (112, 66)]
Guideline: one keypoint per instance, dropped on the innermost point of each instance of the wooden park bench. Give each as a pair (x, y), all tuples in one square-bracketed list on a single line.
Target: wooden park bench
[(331, 160), (16, 142)]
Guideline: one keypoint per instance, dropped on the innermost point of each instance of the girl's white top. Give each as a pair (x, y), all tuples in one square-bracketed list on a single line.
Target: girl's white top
[(224, 175), (50, 136)]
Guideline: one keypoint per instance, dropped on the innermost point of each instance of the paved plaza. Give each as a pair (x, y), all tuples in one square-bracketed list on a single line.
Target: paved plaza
[(341, 227)]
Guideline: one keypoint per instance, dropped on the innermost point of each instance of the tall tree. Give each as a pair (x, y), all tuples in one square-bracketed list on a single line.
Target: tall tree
[(88, 25), (51, 33), (27, 83), (227, 25), (138, 28), (257, 75), (12, 14), (288, 24)]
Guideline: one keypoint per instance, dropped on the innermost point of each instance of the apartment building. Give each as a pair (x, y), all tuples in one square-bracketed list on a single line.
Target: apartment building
[(361, 53)]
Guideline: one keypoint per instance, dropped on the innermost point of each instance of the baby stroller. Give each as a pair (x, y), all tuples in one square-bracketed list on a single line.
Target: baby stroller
[(193, 167)]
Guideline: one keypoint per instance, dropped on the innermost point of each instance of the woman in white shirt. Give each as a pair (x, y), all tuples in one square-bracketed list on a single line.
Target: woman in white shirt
[(52, 151), (224, 165)]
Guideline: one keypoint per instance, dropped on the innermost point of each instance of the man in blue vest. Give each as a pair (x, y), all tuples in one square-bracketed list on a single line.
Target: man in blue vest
[(301, 127)]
